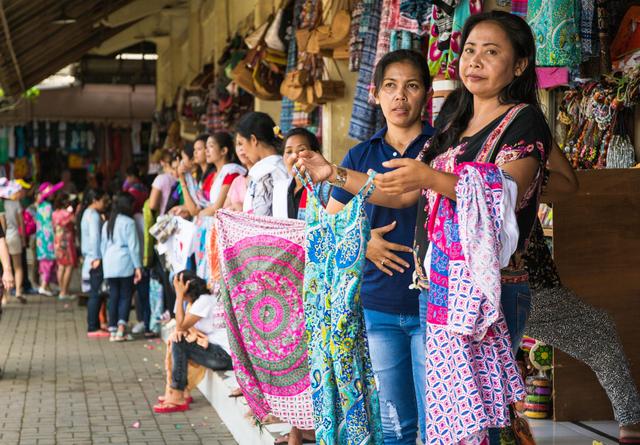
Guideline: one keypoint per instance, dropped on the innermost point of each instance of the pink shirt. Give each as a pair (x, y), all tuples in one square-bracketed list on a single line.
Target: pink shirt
[(164, 182), (235, 195)]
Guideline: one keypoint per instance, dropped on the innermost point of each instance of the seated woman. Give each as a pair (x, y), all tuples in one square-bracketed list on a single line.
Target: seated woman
[(192, 341)]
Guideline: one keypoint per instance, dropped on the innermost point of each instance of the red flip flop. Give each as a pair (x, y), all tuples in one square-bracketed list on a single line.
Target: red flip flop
[(170, 408), (188, 400)]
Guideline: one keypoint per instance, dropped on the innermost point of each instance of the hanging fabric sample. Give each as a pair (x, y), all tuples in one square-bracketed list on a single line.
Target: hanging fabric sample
[(363, 114), (555, 26), (262, 267), (345, 398)]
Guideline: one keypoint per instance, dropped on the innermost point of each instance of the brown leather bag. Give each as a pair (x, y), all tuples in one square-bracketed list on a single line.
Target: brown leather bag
[(521, 429)]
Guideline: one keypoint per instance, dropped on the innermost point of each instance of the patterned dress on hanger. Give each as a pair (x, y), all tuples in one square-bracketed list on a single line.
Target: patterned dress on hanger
[(345, 400)]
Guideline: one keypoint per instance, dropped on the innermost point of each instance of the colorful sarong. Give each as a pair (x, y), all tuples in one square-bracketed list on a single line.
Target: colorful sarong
[(262, 267)]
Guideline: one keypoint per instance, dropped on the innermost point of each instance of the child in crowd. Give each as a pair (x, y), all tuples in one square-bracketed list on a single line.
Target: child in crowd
[(255, 135), (64, 242), (193, 340), (45, 252), (95, 202), (121, 263)]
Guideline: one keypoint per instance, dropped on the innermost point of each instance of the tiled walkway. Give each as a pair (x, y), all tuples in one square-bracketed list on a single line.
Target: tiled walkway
[(59, 387)]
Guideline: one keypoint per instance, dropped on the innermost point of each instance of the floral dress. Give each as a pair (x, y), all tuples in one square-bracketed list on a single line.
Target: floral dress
[(44, 233), (64, 238), (345, 399)]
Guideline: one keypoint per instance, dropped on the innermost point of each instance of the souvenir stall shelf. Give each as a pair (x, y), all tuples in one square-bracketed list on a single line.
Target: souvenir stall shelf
[(594, 235)]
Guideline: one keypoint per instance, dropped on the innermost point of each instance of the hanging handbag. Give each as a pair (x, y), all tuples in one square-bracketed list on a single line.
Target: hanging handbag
[(277, 37), (338, 32), (518, 433), (326, 89)]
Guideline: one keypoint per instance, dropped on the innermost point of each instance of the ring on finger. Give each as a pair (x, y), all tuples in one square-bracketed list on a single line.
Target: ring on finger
[(382, 261)]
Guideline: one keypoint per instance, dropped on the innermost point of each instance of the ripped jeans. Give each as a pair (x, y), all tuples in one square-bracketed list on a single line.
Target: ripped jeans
[(396, 346)]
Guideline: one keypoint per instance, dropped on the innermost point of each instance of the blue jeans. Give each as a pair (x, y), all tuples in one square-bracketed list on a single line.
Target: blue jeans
[(120, 292), (213, 357), (516, 306), (143, 309), (93, 305), (397, 349)]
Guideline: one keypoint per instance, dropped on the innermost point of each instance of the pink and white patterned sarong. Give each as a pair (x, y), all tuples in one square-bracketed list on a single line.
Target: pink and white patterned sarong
[(262, 268)]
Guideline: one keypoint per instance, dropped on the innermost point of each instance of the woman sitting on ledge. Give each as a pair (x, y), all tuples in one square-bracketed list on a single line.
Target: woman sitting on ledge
[(190, 349)]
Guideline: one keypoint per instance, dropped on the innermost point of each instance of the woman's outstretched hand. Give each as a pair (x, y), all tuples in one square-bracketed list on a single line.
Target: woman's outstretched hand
[(315, 164), (408, 175)]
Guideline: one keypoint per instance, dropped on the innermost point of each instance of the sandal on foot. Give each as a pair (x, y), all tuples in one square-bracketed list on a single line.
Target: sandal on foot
[(235, 393), (188, 400), (121, 336), (165, 408)]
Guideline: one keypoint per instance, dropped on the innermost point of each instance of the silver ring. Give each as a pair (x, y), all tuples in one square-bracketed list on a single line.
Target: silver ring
[(382, 261)]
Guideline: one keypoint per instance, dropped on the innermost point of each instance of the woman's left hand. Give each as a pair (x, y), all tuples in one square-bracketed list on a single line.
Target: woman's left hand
[(408, 175)]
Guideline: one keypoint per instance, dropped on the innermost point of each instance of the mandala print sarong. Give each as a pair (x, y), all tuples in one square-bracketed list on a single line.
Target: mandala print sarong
[(345, 400), (262, 267), (472, 376)]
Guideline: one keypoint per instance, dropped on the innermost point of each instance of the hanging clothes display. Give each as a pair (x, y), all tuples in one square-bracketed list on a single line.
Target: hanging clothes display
[(345, 398), (472, 375), (262, 265), (410, 15), (363, 114), (444, 53), (555, 26)]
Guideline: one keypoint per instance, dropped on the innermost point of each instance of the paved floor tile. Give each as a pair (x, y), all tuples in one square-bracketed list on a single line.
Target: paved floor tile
[(60, 387)]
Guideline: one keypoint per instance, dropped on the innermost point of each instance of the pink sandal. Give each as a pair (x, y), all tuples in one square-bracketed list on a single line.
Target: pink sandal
[(165, 408)]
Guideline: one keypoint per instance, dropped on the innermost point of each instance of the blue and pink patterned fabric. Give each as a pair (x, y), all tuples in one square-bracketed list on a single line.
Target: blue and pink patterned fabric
[(346, 408), (472, 375)]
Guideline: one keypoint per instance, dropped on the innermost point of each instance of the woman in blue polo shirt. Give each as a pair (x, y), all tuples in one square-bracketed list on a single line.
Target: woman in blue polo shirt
[(391, 308)]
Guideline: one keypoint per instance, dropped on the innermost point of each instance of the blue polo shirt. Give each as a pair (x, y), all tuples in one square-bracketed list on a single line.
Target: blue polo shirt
[(381, 292)]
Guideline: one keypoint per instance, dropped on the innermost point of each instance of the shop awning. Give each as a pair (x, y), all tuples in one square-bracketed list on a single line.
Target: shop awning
[(39, 37)]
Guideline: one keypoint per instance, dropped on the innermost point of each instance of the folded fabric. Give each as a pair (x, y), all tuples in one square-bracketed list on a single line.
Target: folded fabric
[(551, 77)]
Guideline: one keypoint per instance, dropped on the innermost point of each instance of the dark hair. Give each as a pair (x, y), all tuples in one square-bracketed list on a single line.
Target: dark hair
[(132, 170), (224, 139), (197, 286), (188, 149), (89, 196), (406, 56), (259, 125), (312, 140), (122, 205), (61, 201), (522, 89), (202, 137)]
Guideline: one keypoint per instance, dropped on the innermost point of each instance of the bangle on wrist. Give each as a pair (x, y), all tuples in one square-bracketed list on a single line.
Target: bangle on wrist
[(341, 177)]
